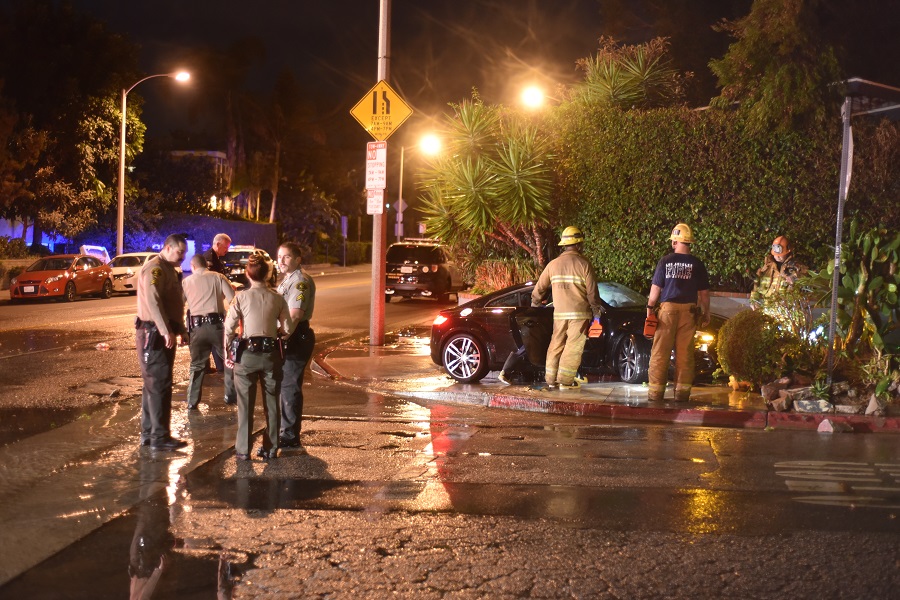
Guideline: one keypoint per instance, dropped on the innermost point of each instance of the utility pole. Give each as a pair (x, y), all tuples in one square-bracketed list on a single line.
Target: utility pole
[(379, 223)]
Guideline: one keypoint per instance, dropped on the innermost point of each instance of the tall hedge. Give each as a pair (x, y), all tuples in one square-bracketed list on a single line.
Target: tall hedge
[(626, 178)]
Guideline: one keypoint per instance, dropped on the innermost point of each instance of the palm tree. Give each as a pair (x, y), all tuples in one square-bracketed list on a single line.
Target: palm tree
[(490, 190)]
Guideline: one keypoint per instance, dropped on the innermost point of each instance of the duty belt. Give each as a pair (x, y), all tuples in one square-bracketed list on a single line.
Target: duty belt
[(210, 318), (260, 344)]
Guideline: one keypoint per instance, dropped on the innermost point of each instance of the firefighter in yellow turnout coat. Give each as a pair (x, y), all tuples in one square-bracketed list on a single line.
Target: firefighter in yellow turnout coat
[(575, 302), (680, 294)]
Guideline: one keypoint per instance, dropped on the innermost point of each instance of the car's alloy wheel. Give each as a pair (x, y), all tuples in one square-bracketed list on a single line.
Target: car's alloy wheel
[(465, 358), (69, 293), (107, 291), (632, 360)]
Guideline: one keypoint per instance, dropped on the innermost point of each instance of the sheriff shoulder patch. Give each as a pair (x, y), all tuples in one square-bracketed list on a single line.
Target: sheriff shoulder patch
[(155, 274)]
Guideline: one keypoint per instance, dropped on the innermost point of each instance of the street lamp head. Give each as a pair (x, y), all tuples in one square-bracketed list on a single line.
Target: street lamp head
[(533, 96), (430, 144), (181, 76)]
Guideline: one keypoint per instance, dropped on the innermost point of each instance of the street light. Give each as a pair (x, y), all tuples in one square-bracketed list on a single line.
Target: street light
[(533, 96), (180, 76), (429, 145)]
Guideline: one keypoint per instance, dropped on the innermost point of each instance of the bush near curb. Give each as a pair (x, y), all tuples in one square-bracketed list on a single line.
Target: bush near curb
[(750, 347)]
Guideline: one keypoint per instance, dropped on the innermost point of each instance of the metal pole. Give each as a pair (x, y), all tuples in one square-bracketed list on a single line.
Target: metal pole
[(399, 229), (838, 234), (379, 223), (120, 222)]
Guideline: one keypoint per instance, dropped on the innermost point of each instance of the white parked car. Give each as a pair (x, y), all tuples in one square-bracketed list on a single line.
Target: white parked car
[(125, 269)]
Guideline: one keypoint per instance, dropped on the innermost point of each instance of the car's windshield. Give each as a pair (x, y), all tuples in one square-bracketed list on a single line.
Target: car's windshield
[(619, 296), (126, 261), (51, 264), (414, 254)]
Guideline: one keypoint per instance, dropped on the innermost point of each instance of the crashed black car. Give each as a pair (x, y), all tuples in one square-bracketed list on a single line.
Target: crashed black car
[(475, 338)]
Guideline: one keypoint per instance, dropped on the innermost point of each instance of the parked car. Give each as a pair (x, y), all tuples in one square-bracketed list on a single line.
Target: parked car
[(477, 337), (125, 269), (235, 261), (63, 276), (421, 268)]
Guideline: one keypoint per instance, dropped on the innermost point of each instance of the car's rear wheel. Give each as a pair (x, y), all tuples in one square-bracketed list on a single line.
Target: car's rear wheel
[(465, 358), (106, 292), (632, 359), (69, 292)]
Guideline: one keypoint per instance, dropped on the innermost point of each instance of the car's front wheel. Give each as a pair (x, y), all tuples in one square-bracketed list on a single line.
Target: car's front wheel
[(69, 293), (107, 291), (465, 358), (632, 359)]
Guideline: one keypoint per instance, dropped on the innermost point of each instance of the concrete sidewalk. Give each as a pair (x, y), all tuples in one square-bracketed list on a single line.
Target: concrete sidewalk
[(403, 367)]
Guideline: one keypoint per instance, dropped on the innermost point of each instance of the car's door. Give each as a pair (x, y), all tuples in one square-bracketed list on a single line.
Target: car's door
[(497, 318), (97, 273), (82, 276)]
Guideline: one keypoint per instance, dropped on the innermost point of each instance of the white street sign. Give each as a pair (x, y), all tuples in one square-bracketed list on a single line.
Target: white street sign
[(375, 202), (376, 166)]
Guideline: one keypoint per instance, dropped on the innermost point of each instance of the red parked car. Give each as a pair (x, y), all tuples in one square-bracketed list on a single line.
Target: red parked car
[(63, 276)]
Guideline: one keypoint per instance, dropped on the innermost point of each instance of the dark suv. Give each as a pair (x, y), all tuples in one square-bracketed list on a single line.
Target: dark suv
[(235, 261), (421, 268)]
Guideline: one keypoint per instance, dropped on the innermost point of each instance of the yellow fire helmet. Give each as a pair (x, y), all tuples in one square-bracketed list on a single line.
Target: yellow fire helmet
[(781, 247), (682, 233), (571, 236)]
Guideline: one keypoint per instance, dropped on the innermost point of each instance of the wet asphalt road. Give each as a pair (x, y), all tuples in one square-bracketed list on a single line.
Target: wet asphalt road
[(399, 499)]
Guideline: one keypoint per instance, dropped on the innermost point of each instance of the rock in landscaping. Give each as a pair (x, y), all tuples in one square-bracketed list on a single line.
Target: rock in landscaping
[(780, 404), (875, 407), (829, 426), (770, 390), (843, 408), (813, 406)]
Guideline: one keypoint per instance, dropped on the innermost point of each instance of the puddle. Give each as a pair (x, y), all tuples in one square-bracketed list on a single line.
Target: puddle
[(133, 556), (19, 423)]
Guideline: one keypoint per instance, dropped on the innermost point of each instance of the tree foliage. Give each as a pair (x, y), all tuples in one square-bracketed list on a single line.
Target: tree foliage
[(631, 76), (489, 191), (61, 72), (779, 67)]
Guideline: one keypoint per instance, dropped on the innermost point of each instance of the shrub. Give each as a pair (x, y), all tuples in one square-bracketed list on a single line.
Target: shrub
[(13, 248), (751, 347)]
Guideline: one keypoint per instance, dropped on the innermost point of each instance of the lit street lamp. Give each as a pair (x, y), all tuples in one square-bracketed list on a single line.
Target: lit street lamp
[(180, 76), (532, 96), (429, 145)]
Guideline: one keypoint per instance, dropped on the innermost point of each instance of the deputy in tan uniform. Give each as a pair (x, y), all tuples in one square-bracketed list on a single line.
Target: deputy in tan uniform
[(160, 319), (575, 302), (263, 316), (299, 291), (205, 293)]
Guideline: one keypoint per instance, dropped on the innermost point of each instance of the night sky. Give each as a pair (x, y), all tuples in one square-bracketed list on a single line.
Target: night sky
[(441, 49)]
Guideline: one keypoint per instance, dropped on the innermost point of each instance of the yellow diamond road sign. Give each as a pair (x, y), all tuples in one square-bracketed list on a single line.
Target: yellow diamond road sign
[(381, 111)]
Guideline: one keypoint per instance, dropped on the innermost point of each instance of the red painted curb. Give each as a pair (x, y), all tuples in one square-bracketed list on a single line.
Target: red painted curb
[(810, 421)]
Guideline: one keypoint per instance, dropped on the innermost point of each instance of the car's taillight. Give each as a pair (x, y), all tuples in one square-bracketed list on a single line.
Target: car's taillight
[(439, 320), (433, 269)]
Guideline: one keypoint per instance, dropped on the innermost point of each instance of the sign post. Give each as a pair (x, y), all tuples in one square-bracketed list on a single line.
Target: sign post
[(381, 111)]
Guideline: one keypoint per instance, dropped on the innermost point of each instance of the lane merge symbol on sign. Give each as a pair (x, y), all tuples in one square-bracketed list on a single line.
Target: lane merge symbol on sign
[(381, 111)]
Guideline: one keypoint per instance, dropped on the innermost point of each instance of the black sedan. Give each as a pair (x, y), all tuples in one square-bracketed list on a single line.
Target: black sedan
[(478, 337)]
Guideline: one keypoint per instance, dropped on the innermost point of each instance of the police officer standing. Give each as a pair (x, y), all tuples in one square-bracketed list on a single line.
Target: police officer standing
[(205, 292), (160, 318), (299, 291), (679, 294), (213, 256), (575, 301), (262, 316)]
